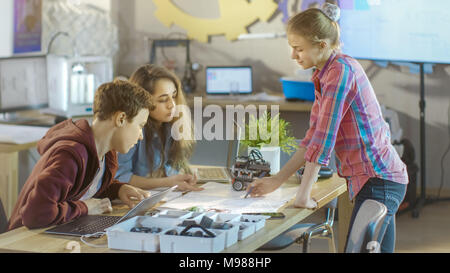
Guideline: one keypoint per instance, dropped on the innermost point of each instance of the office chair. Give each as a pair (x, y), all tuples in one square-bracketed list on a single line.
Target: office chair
[(302, 233), (363, 237), (3, 218)]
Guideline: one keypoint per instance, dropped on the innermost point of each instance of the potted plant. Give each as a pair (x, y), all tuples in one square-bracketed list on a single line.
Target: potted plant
[(269, 135)]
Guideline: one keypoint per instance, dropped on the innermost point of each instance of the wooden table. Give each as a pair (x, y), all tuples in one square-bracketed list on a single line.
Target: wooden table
[(26, 240)]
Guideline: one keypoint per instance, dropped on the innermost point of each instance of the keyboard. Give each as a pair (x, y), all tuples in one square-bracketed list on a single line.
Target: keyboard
[(102, 223), (213, 173)]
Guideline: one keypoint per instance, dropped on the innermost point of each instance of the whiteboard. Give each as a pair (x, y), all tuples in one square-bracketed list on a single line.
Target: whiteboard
[(396, 30)]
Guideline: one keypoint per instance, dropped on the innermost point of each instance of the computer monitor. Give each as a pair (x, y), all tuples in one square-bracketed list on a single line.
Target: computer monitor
[(229, 80), (23, 85)]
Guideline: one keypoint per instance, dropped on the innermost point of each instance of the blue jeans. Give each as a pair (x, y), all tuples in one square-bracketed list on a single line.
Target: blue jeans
[(389, 193)]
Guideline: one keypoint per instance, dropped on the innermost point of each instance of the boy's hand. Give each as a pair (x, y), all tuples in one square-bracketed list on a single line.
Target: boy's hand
[(131, 195), (98, 206)]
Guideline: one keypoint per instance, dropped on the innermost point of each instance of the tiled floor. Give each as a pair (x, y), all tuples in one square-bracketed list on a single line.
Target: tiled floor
[(429, 233)]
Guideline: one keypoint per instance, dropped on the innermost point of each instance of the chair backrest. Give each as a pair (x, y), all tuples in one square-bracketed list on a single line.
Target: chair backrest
[(366, 226), (3, 218)]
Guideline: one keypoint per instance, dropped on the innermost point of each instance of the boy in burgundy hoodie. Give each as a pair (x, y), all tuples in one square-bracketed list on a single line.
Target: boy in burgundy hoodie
[(75, 174)]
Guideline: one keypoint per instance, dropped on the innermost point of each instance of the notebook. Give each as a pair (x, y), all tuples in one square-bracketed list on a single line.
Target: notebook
[(92, 224), (229, 80)]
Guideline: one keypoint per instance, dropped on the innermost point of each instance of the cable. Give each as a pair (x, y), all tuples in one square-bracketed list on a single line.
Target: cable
[(97, 234)]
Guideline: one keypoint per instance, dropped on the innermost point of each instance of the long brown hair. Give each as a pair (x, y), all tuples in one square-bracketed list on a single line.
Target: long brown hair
[(181, 150)]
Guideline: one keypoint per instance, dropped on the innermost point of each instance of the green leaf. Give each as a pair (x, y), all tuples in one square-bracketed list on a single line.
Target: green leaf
[(263, 125)]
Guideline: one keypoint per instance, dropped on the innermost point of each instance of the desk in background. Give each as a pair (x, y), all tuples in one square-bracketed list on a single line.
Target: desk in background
[(9, 155), (9, 158), (222, 101), (9, 173), (26, 240)]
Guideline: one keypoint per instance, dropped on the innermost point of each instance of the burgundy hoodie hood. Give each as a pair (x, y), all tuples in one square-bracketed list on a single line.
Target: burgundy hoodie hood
[(79, 131), (69, 162)]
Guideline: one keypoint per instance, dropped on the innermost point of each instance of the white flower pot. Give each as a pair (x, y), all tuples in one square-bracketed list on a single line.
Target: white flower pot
[(271, 155)]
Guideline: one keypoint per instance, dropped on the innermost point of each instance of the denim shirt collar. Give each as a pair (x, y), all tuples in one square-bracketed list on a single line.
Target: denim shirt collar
[(156, 144)]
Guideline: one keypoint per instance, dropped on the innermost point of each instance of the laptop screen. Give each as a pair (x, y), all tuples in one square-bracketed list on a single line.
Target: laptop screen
[(229, 79)]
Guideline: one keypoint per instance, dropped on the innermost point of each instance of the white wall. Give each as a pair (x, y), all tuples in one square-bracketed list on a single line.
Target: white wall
[(6, 27), (103, 4)]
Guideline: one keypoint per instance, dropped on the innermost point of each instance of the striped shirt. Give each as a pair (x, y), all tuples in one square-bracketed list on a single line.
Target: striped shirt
[(346, 117)]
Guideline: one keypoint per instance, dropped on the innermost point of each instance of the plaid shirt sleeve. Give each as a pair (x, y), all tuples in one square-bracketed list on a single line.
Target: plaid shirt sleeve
[(336, 95), (312, 124)]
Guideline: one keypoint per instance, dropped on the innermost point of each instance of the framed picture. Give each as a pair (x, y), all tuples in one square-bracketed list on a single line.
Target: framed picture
[(27, 26)]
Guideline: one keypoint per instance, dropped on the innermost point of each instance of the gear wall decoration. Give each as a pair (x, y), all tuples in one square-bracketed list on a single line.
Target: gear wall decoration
[(236, 15)]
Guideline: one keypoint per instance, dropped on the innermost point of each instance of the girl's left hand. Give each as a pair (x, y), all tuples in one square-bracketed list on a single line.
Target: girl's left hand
[(304, 201), (131, 195)]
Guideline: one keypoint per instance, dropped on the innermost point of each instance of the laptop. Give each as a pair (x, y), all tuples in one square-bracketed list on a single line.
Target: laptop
[(93, 224), (221, 174), (226, 80), (213, 174)]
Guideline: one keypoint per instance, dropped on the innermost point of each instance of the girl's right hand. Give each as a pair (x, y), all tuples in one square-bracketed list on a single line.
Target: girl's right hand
[(185, 182), (98, 206), (262, 186)]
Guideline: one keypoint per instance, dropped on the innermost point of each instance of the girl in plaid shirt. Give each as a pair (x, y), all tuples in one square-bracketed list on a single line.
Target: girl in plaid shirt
[(346, 117)]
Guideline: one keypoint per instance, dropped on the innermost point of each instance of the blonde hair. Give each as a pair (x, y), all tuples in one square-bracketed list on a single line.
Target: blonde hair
[(181, 150), (315, 26)]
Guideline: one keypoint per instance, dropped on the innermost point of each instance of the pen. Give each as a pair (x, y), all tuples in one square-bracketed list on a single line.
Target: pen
[(250, 191), (261, 175)]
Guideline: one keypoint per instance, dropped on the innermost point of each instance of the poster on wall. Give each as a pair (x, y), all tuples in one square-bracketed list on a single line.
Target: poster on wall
[(27, 26)]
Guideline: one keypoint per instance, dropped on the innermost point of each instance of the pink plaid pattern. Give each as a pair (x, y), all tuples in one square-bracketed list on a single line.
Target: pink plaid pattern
[(346, 117)]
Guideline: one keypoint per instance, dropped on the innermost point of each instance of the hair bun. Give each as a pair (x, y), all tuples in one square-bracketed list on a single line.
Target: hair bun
[(332, 11)]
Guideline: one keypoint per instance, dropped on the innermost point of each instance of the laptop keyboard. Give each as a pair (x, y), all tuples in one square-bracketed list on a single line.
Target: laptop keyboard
[(212, 173), (100, 225)]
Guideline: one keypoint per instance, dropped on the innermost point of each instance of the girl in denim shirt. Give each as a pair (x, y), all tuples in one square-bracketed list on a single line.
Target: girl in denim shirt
[(159, 160)]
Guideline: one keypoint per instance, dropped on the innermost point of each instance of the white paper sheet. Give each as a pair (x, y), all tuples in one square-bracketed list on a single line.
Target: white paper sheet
[(222, 197)]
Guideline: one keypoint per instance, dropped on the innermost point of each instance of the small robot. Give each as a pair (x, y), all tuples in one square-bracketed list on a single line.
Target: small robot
[(248, 168)]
